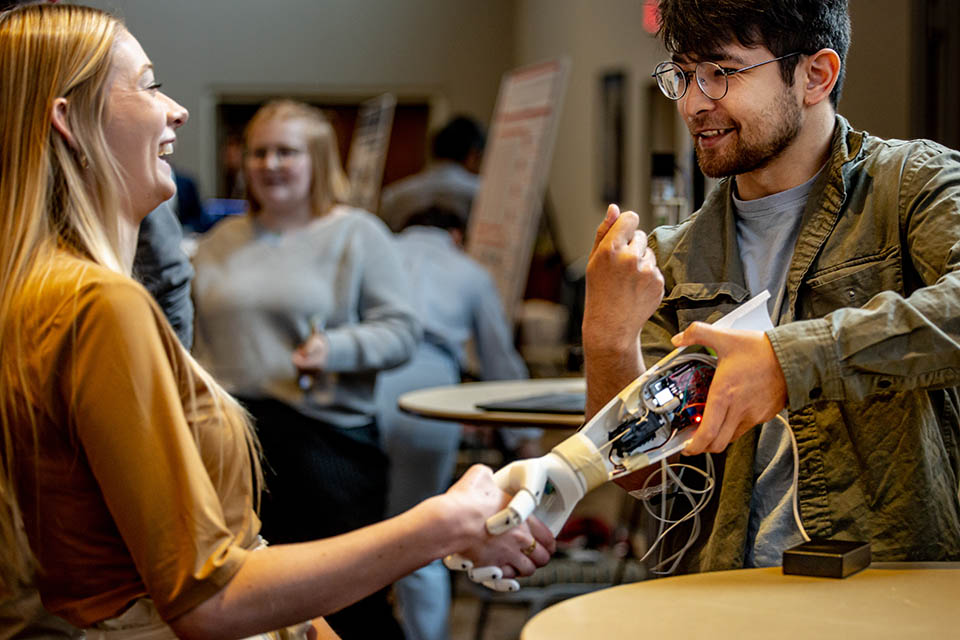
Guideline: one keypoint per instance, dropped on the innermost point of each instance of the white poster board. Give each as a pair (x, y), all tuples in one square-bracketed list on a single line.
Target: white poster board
[(368, 151), (506, 211)]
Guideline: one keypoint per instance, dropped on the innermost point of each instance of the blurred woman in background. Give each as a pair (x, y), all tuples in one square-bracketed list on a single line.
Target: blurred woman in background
[(127, 475), (299, 304)]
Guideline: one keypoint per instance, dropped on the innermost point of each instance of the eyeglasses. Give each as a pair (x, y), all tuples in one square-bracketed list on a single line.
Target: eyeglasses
[(711, 77), (282, 155)]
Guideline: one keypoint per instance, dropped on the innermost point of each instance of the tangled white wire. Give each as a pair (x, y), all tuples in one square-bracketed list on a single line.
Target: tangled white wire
[(697, 498)]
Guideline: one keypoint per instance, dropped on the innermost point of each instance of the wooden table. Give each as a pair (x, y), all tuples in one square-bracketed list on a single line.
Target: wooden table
[(459, 402), (891, 600)]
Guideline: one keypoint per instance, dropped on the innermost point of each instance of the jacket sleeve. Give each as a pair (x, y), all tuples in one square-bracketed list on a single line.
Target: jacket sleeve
[(164, 269), (898, 340)]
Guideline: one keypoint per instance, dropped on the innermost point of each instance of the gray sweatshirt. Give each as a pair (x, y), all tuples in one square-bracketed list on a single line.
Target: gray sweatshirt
[(259, 294)]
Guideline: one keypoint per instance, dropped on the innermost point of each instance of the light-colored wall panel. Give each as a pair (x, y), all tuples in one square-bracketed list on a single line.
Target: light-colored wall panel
[(598, 36)]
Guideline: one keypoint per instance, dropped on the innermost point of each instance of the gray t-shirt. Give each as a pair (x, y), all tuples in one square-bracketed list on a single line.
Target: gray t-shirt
[(766, 233)]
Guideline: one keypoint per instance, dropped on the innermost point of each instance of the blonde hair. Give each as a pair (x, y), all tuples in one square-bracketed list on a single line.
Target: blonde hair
[(329, 184), (56, 196)]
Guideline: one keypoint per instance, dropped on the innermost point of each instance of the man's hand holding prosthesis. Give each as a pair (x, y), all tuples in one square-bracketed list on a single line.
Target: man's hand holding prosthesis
[(748, 387)]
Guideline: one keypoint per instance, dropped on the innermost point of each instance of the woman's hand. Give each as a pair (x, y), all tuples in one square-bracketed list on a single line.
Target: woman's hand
[(311, 356), (474, 498)]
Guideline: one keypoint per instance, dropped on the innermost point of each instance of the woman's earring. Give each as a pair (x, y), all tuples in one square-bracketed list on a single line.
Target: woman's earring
[(84, 163)]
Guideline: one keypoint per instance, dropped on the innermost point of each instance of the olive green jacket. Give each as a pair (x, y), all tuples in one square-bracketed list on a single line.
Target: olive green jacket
[(870, 349)]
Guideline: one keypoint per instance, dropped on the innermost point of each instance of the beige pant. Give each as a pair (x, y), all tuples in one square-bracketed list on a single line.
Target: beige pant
[(142, 622)]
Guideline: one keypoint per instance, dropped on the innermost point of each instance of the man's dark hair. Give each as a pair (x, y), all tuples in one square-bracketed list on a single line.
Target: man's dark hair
[(702, 28), (437, 217), (458, 138)]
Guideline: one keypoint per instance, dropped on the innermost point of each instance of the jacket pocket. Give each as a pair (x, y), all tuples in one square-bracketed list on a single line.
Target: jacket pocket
[(851, 284), (704, 301)]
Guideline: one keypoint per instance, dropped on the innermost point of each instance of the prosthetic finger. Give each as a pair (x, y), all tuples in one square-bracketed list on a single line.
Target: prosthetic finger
[(526, 480), (483, 574), (502, 585), (492, 578), (456, 562)]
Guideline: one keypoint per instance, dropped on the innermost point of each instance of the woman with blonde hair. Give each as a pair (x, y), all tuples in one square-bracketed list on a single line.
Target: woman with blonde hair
[(299, 304), (127, 475)]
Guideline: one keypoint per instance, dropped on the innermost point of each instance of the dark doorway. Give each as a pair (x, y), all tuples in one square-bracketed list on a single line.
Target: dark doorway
[(936, 67), (406, 154)]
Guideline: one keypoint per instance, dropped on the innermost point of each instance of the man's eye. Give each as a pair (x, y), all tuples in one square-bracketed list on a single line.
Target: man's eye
[(154, 86)]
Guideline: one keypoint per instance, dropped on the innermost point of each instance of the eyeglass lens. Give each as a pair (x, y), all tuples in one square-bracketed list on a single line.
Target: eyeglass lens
[(672, 80)]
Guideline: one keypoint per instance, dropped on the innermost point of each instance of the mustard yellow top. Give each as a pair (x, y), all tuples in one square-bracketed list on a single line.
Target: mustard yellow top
[(127, 494)]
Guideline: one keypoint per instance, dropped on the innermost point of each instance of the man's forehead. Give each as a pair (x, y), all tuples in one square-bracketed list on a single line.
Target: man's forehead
[(733, 53)]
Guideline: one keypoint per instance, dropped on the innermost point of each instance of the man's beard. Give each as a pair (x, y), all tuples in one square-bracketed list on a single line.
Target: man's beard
[(747, 156)]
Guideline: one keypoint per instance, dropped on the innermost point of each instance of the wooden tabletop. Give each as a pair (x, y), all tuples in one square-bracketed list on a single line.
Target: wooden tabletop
[(459, 402), (905, 600)]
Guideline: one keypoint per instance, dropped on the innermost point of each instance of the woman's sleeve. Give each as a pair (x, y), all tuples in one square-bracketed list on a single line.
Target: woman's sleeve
[(388, 331), (127, 414)]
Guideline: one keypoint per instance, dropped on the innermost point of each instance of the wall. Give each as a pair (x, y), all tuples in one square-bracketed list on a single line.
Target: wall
[(597, 37), (603, 35), (452, 53), (876, 95)]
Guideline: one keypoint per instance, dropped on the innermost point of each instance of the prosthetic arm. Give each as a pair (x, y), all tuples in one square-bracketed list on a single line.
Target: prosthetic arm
[(651, 419)]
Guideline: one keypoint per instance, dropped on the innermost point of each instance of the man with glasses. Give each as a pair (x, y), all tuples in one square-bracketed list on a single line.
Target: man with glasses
[(857, 239)]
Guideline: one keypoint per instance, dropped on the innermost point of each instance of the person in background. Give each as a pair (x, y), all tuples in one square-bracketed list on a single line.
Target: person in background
[(161, 265), (457, 301), (856, 238), (300, 303), (187, 204), (107, 422), (450, 181)]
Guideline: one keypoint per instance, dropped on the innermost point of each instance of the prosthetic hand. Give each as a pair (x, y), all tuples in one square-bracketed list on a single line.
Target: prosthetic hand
[(651, 419)]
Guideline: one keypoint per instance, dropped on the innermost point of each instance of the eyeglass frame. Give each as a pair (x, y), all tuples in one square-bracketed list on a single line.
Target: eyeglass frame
[(726, 75), (284, 155)]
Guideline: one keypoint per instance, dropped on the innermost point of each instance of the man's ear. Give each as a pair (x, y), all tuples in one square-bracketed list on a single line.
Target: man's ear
[(58, 117), (820, 74)]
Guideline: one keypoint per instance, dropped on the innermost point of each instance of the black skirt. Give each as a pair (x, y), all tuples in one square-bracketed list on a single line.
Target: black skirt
[(322, 481)]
